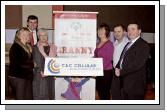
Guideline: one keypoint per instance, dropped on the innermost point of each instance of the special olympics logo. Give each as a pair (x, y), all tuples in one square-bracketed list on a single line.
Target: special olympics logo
[(76, 26), (53, 67)]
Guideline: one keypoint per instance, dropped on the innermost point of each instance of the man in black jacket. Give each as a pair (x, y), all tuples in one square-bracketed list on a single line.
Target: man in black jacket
[(131, 68)]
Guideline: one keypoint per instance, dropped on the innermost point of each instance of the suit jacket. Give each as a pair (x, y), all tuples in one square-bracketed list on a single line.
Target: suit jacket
[(133, 72), (37, 35)]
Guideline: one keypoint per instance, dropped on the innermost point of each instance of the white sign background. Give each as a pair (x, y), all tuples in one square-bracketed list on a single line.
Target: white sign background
[(72, 35), (73, 67)]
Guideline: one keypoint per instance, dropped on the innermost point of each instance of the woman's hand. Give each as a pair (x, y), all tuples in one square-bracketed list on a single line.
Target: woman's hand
[(53, 50), (35, 64), (42, 74)]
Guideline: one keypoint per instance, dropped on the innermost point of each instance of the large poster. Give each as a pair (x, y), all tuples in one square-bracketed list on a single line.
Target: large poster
[(75, 33), (75, 37)]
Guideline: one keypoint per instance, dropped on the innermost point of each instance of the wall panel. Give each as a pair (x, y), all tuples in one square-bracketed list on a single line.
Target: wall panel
[(43, 12), (13, 16)]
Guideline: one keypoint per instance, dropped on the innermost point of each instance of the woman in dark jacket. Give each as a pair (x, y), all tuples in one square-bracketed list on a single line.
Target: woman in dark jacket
[(21, 65)]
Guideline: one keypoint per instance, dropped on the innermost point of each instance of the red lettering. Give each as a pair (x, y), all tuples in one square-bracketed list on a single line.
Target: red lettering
[(84, 50)]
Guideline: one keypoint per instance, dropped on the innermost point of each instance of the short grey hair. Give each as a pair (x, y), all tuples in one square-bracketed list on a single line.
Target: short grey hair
[(43, 30)]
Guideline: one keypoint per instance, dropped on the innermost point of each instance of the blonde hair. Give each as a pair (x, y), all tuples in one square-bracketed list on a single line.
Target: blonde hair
[(18, 33), (17, 40)]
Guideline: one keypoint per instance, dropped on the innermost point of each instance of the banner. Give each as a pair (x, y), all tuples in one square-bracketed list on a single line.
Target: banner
[(75, 37), (75, 33), (73, 67)]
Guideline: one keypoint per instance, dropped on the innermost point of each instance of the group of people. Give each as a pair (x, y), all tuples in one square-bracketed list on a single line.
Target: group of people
[(27, 57), (124, 63)]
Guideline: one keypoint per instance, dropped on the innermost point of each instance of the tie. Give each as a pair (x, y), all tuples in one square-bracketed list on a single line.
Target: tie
[(32, 39), (123, 53)]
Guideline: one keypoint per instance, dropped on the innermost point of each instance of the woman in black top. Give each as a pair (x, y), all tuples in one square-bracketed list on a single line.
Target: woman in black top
[(21, 65)]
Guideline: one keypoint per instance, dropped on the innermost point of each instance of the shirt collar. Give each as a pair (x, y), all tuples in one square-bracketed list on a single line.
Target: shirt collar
[(134, 40), (123, 40), (32, 30)]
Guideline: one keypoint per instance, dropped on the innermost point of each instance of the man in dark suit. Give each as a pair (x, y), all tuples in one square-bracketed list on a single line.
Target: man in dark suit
[(131, 67), (32, 25)]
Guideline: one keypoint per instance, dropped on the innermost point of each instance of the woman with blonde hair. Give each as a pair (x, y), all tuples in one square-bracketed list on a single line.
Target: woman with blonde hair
[(43, 86), (21, 65)]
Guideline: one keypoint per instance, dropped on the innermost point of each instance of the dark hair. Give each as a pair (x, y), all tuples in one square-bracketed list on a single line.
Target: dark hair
[(120, 25), (106, 27), (137, 23), (32, 17)]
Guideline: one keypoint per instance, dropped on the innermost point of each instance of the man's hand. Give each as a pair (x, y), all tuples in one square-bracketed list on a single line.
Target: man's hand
[(117, 72)]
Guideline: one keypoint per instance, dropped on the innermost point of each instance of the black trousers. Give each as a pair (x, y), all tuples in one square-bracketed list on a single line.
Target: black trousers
[(116, 88), (22, 88), (118, 93), (128, 96), (103, 85)]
